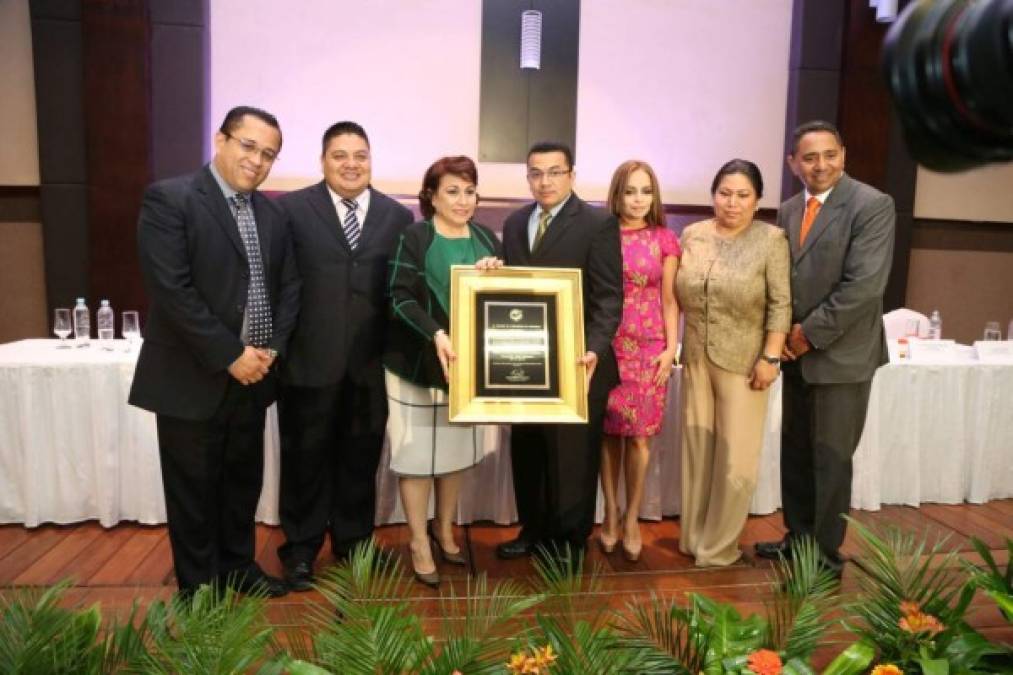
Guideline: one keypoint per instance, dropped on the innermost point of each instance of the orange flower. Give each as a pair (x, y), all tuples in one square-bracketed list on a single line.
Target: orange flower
[(764, 662), (919, 622), (909, 607), (545, 657), (517, 662), (887, 669)]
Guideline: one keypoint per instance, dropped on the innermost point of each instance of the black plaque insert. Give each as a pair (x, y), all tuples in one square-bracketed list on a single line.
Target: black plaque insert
[(517, 353)]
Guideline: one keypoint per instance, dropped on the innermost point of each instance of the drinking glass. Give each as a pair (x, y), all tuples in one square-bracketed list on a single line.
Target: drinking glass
[(131, 328), (61, 326), (992, 331), (911, 328)]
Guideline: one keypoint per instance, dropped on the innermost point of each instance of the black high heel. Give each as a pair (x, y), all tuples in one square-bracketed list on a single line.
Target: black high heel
[(452, 558)]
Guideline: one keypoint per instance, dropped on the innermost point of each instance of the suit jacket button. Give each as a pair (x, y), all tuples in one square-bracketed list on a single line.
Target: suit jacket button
[(239, 307)]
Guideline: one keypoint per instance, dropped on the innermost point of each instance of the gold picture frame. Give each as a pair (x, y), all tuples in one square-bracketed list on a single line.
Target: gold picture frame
[(518, 333)]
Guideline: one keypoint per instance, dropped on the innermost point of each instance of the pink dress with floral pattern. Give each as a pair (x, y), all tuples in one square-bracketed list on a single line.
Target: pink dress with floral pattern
[(636, 405)]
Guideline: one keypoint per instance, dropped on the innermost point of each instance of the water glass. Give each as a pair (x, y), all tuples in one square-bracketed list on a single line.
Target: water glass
[(992, 331), (61, 326), (131, 328), (911, 328)]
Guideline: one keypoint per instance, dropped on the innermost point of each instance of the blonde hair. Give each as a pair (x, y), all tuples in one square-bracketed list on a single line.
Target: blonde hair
[(656, 214)]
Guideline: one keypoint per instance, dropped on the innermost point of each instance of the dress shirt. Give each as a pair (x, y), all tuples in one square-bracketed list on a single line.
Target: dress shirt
[(244, 332), (361, 207), (533, 219)]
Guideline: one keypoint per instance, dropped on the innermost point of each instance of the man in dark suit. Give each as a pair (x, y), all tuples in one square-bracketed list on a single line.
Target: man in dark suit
[(220, 273), (333, 405), (555, 466), (841, 233)]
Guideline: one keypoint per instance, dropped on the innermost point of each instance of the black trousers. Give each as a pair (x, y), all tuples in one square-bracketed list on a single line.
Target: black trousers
[(820, 429), (212, 474), (555, 471), (331, 439)]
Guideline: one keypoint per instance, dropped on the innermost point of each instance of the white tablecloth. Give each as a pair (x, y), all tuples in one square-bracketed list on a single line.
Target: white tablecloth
[(71, 449)]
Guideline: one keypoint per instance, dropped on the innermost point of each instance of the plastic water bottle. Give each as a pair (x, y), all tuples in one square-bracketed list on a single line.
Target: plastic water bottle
[(935, 325), (106, 320), (82, 324)]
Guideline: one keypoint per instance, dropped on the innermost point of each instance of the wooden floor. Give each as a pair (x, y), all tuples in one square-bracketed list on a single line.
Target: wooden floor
[(129, 562)]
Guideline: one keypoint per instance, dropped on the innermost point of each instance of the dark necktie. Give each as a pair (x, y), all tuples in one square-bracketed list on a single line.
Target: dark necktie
[(258, 308), (351, 224)]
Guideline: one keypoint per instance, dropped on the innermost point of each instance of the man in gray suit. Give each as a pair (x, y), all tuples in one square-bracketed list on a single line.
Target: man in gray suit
[(841, 233)]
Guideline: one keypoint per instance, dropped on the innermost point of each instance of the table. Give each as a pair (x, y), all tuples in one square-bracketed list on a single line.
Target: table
[(71, 448)]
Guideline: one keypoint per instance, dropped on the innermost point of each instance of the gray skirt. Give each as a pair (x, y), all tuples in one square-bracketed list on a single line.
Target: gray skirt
[(422, 440)]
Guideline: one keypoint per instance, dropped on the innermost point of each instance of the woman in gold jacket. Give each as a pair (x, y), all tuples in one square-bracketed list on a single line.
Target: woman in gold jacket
[(733, 286)]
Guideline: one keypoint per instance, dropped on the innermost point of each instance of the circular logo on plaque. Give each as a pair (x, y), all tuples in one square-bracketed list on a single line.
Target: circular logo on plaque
[(516, 314), (517, 375)]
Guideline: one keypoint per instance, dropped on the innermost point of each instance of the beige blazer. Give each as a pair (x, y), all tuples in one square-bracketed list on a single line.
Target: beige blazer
[(731, 292)]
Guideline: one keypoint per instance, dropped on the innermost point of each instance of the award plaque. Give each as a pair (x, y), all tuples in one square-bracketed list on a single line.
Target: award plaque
[(518, 333)]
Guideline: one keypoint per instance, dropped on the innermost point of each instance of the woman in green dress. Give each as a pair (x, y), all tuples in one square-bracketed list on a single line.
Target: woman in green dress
[(425, 448)]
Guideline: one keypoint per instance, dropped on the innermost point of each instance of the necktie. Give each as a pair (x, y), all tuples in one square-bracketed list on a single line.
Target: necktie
[(351, 224), (258, 308), (812, 207), (543, 225)]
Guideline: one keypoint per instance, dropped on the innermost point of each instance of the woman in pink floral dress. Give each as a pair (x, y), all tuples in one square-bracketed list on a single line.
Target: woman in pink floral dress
[(645, 347)]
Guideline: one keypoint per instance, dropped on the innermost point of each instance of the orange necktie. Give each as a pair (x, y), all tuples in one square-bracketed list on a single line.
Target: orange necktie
[(812, 207)]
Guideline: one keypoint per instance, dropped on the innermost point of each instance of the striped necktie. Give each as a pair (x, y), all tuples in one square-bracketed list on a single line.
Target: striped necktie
[(351, 224), (258, 307), (543, 225)]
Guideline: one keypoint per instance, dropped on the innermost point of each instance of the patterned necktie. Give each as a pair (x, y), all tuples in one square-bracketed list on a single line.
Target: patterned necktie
[(543, 225), (258, 308), (351, 224), (812, 207)]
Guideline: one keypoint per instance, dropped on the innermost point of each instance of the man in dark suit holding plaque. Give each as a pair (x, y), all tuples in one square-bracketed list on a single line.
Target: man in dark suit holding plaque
[(841, 234), (555, 466), (333, 407), (218, 268)]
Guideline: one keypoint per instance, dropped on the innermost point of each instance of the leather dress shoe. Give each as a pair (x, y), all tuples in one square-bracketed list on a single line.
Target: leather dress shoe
[(299, 575), (515, 548), (258, 583), (774, 550)]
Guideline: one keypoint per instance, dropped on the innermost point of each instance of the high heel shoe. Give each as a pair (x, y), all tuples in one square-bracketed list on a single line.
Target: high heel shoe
[(632, 554), (608, 544), (452, 558), (430, 579)]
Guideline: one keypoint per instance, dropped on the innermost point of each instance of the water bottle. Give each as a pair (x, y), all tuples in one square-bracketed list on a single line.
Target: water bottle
[(105, 318), (82, 324), (935, 325)]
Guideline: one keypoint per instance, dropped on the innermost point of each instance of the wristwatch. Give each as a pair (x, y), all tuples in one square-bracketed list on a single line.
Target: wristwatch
[(772, 360)]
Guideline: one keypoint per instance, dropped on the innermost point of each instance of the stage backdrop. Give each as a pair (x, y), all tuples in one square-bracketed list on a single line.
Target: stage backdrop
[(685, 85)]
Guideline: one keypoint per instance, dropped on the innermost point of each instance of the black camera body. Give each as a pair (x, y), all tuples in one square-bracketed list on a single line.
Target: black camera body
[(949, 68)]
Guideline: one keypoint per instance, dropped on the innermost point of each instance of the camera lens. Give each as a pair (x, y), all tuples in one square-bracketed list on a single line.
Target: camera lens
[(949, 68)]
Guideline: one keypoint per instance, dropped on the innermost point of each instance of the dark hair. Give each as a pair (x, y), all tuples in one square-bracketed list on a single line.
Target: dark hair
[(234, 118), (460, 166), (811, 126), (553, 146), (656, 214), (746, 168), (343, 127)]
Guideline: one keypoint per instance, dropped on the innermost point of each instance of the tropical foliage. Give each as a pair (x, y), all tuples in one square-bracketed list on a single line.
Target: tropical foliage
[(909, 617)]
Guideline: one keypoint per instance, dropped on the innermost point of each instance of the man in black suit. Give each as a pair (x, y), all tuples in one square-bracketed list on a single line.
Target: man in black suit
[(555, 466), (220, 273), (841, 235), (333, 404)]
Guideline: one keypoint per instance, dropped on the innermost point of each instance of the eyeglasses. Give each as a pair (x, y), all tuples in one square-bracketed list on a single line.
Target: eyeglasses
[(251, 148), (554, 174)]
